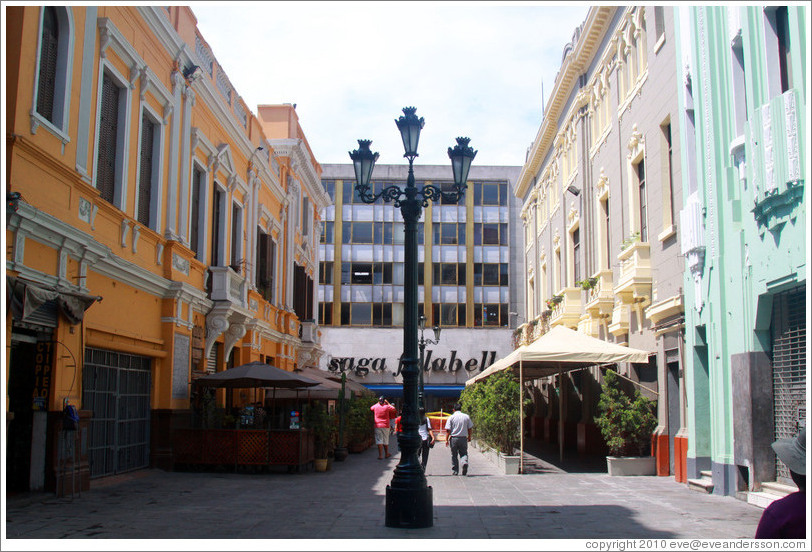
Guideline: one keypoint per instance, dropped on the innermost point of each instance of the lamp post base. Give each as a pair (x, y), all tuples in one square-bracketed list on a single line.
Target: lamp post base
[(409, 508)]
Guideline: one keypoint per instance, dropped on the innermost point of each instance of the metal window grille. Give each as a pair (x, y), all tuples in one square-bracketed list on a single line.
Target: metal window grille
[(789, 368), (116, 387)]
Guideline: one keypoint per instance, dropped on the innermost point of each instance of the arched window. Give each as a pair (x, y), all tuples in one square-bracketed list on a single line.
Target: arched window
[(52, 89)]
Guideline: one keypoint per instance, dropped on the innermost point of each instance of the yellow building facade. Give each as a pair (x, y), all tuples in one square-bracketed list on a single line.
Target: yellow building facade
[(156, 230)]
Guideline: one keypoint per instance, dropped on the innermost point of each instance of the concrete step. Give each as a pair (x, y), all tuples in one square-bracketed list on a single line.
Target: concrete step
[(780, 490), (760, 498), (702, 485)]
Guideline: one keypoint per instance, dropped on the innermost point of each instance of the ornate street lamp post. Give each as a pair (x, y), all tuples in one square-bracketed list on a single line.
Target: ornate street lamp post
[(408, 498), (421, 322)]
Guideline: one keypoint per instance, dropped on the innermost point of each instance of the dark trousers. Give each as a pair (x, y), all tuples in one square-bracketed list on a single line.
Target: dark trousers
[(459, 446), (424, 452)]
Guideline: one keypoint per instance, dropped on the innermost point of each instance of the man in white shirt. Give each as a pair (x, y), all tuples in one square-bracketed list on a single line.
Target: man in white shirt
[(459, 426)]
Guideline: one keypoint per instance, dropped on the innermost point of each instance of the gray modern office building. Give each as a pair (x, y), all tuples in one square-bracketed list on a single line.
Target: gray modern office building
[(469, 277)]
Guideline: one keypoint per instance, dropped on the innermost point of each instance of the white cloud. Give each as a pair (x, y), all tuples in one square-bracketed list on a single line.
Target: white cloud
[(470, 69)]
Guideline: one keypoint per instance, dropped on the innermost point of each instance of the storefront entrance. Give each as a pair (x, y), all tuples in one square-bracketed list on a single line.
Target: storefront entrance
[(116, 388), (789, 368)]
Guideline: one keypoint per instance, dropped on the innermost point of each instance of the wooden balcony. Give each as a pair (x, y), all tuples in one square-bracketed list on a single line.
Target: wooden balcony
[(634, 282)]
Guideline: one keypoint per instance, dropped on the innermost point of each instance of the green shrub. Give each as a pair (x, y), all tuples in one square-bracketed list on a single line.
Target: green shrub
[(626, 423), (360, 420), (493, 405), (323, 426)]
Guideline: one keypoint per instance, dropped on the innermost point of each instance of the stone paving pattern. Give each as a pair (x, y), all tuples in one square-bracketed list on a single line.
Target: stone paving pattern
[(559, 501)]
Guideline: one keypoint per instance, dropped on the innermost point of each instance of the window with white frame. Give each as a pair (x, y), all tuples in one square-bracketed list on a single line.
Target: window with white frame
[(738, 75), (778, 44), (112, 138), (266, 257), (306, 215), (603, 230), (640, 172), (659, 23), (52, 85), (575, 240), (667, 176), (218, 225), (636, 171), (149, 171), (236, 237), (197, 220)]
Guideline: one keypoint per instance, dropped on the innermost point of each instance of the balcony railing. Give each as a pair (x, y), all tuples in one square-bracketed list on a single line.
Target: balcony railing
[(227, 285), (620, 319), (568, 311), (634, 282), (601, 298)]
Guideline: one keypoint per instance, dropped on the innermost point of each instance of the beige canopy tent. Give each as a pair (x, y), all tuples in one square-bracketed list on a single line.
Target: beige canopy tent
[(559, 350)]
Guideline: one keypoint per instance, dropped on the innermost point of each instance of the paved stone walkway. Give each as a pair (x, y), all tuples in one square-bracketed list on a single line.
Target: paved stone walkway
[(347, 502)]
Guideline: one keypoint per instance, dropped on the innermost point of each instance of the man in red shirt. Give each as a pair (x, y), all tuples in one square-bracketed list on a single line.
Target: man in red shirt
[(383, 413)]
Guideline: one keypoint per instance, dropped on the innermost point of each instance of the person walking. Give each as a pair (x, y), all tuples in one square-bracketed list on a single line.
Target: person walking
[(786, 518), (427, 438), (459, 426), (383, 412)]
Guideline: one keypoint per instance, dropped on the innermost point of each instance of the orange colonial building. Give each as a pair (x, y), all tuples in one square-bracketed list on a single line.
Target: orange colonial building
[(156, 230)]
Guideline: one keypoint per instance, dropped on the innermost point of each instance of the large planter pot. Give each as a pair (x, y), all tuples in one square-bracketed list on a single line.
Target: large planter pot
[(341, 454), (321, 464), (631, 465), (509, 463)]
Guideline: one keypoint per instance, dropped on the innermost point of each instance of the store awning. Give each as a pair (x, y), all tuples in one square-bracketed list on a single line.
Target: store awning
[(25, 297), (396, 390)]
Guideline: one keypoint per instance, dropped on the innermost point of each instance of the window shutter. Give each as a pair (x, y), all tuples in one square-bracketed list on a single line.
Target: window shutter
[(46, 88), (194, 232), (108, 134), (145, 178)]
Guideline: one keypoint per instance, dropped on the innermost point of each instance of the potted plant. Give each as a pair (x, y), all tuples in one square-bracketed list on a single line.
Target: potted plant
[(633, 237), (553, 301), (322, 424), (587, 284), (626, 423), (493, 405)]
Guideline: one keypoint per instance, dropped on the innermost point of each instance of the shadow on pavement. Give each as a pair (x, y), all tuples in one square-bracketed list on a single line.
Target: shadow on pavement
[(542, 457)]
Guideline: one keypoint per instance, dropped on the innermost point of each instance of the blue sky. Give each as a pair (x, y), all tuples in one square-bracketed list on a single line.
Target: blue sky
[(471, 69)]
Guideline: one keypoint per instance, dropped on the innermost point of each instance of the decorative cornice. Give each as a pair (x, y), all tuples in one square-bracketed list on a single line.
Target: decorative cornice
[(594, 28), (301, 162)]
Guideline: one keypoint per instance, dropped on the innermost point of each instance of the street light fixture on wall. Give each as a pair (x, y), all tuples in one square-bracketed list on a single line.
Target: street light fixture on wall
[(408, 497), (421, 323)]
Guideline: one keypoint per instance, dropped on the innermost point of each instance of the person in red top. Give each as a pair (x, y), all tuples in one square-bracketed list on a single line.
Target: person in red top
[(383, 413)]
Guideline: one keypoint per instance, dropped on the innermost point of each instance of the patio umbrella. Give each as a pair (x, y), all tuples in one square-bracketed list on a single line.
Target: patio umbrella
[(255, 374)]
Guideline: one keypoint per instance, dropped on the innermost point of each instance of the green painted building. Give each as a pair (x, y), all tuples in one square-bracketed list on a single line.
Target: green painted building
[(744, 235)]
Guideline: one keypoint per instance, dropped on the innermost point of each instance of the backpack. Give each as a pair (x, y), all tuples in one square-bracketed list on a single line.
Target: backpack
[(70, 418)]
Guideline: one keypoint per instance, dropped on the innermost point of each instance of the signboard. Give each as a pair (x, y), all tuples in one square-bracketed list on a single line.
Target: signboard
[(42, 375), (372, 356)]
